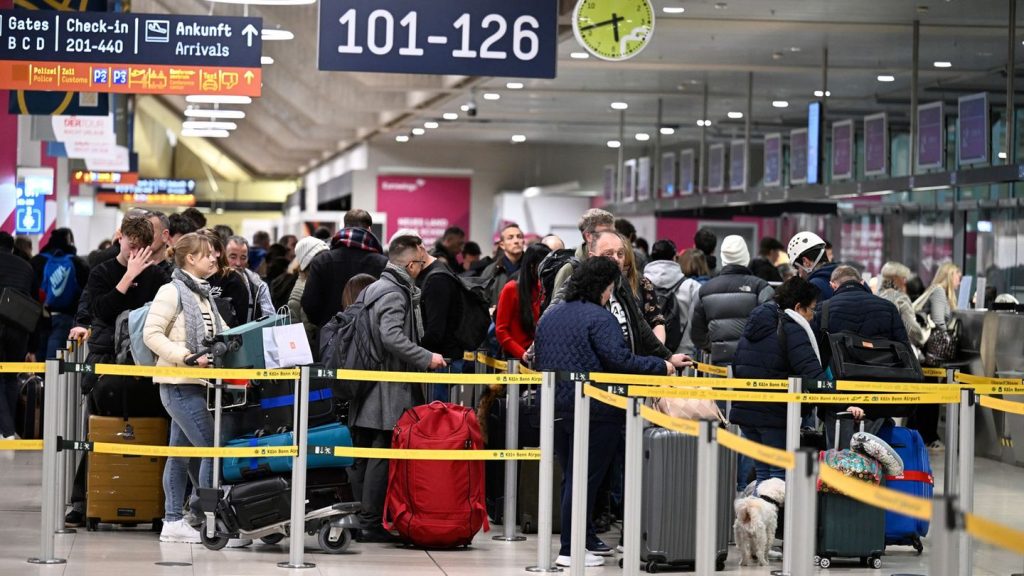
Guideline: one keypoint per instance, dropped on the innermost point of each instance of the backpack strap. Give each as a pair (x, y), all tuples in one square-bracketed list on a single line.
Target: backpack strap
[(824, 316)]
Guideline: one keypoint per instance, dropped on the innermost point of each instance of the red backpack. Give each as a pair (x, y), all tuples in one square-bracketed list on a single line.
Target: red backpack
[(436, 503)]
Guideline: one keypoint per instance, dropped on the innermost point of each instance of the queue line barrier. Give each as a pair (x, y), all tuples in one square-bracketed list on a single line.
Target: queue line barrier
[(22, 367)]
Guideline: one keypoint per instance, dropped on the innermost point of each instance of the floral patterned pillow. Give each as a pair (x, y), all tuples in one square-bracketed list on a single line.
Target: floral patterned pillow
[(875, 447), (851, 464)]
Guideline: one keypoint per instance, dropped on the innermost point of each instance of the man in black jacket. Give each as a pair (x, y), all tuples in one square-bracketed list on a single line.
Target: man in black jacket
[(354, 250), (767, 255), (507, 265), (17, 275), (449, 246), (726, 302), (441, 306)]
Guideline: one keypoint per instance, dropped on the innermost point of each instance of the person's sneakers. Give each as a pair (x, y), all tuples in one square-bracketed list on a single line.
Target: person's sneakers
[(936, 447), (74, 519), (774, 554), (239, 542), (589, 560), (179, 531), (599, 548), (8, 454)]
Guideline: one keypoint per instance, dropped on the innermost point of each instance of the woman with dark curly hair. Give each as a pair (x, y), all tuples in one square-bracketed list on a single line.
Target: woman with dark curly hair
[(581, 335)]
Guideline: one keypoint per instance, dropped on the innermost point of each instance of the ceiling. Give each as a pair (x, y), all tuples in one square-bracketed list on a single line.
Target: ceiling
[(306, 116)]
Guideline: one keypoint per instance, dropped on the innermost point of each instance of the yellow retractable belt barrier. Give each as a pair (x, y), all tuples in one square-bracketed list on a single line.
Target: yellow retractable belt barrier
[(689, 382), (688, 427), (192, 451), (27, 445), (933, 372), (19, 367), (994, 533), (711, 369), (491, 362), (849, 399), (525, 370), (409, 454), (897, 387), (972, 380), (760, 452), (436, 378), (877, 496), (606, 397), (1001, 405), (469, 356), (199, 373)]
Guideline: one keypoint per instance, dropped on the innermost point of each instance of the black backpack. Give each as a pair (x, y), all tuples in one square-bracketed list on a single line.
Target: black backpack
[(474, 308), (280, 291), (871, 359), (348, 341), (548, 269), (669, 307)]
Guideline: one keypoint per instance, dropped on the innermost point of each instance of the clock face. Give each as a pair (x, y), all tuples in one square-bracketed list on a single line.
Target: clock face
[(613, 29)]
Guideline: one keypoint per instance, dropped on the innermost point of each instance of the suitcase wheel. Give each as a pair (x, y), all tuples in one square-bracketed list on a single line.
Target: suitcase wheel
[(875, 562), (272, 539), (651, 567), (92, 524), (218, 542), (333, 546), (719, 565), (824, 563), (917, 544)]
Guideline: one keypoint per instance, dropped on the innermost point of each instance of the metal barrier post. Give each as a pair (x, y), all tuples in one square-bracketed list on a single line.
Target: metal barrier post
[(792, 444), (707, 498), (804, 501), (950, 478), (580, 474), (966, 472), (633, 496), (943, 539), (49, 496), (60, 396), (545, 478), (508, 525), (297, 528)]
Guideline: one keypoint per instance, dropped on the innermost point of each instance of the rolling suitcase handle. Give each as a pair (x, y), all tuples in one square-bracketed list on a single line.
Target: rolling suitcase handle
[(840, 416)]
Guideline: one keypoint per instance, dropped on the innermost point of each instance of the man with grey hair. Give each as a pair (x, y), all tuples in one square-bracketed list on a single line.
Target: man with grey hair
[(592, 221), (260, 303), (894, 289), (853, 308)]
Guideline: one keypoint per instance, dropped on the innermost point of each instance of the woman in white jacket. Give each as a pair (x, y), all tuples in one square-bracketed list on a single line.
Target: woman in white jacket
[(180, 319)]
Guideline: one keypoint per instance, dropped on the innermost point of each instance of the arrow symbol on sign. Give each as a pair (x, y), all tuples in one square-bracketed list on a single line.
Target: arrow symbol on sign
[(250, 31), (249, 76)]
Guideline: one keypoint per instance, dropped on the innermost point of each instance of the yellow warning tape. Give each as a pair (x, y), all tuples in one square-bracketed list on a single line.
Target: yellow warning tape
[(408, 454), (877, 496), (469, 356), (757, 451), (1001, 405), (899, 387), (192, 451), (994, 533), (689, 382), (711, 369), (491, 362), (933, 372), (26, 445), (525, 370), (688, 427), (972, 380), (437, 378), (200, 373), (606, 397), (20, 367), (848, 399)]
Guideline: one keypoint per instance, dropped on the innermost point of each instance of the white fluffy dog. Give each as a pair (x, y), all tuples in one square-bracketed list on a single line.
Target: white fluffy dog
[(756, 520)]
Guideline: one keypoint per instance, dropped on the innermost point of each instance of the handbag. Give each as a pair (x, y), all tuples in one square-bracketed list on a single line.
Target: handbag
[(286, 346), (19, 310), (689, 409), (942, 344)]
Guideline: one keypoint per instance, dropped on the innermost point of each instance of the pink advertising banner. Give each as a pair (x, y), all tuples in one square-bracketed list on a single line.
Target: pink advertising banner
[(427, 204)]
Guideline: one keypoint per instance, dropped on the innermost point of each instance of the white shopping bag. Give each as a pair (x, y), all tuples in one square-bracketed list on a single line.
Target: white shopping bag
[(286, 346)]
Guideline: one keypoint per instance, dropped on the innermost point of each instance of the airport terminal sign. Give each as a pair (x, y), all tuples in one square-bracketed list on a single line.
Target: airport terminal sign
[(129, 53), (465, 37)]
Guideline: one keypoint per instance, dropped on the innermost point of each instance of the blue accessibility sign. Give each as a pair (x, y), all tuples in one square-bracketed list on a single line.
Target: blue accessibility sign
[(29, 211)]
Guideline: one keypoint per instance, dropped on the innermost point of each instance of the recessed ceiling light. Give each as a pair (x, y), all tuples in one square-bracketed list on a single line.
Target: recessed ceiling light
[(266, 60), (794, 48), (735, 115), (819, 93), (777, 55), (430, 125), (886, 78), (271, 34), (721, 6), (619, 106), (704, 123), (518, 138), (450, 116), (464, 108), (208, 125), (673, 9), (418, 131), (780, 104), (642, 136), (205, 133), (492, 96), (942, 64), (579, 55), (214, 99), (922, 9), (209, 113), (514, 85), (1002, 155), (402, 138), (667, 130), (614, 144)]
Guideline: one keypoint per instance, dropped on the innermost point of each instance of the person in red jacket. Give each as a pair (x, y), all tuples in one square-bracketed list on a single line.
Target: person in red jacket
[(515, 321)]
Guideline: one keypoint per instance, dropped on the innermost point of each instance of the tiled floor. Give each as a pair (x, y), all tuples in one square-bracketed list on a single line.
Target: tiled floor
[(999, 489)]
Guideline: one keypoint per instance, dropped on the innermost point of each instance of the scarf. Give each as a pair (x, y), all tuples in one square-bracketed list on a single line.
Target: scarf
[(358, 238), (403, 279), (802, 322), (195, 326)]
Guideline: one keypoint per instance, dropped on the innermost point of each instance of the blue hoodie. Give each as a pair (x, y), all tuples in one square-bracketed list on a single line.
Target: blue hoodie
[(822, 278)]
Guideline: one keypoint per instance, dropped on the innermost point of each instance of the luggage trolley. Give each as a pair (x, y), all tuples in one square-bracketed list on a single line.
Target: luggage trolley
[(262, 509)]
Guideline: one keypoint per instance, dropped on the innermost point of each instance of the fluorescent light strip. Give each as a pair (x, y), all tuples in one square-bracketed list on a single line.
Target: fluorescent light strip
[(208, 125), (205, 133), (518, 138), (402, 138), (450, 116), (210, 113), (579, 55), (642, 136), (619, 106), (780, 104), (418, 131), (270, 34), (514, 85), (430, 125), (266, 60), (214, 99), (667, 131), (735, 115), (673, 9), (492, 96), (886, 78), (614, 144)]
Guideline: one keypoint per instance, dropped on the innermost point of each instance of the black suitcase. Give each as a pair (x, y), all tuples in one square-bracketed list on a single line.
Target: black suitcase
[(257, 504), (28, 420), (277, 403)]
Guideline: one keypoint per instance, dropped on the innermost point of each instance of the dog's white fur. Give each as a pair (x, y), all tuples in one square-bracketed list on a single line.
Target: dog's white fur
[(756, 520)]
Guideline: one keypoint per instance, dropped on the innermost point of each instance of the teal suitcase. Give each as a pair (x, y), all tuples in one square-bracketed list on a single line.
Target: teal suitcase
[(250, 335)]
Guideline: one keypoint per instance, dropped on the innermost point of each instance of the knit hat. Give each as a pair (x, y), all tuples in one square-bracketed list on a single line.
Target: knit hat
[(307, 248), (734, 251)]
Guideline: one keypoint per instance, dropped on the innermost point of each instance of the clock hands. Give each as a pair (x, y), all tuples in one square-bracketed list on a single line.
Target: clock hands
[(614, 21)]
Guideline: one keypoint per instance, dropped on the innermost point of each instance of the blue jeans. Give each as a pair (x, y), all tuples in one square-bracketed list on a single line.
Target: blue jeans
[(441, 391), (774, 437), (191, 425), (599, 463), (60, 326)]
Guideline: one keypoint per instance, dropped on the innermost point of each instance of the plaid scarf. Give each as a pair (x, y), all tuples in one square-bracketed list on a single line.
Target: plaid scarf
[(358, 238)]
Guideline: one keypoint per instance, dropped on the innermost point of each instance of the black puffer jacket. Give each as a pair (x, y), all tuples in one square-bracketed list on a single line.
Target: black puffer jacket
[(721, 313), (853, 308)]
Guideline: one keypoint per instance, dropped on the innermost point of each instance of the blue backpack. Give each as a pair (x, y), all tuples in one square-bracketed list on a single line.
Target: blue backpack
[(60, 281)]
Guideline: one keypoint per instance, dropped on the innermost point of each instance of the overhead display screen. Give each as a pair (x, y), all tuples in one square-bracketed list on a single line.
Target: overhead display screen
[(738, 165), (773, 160), (716, 168), (842, 150), (931, 136), (973, 135), (798, 156), (876, 145)]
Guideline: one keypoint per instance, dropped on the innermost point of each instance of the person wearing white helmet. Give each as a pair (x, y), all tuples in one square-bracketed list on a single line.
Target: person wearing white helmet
[(808, 254)]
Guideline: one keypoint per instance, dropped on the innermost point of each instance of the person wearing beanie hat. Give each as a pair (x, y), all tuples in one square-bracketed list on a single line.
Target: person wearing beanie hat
[(305, 251), (734, 251)]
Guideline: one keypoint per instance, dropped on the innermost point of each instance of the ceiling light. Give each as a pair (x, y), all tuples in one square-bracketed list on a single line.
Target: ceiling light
[(518, 138), (667, 130), (450, 116), (1002, 155), (213, 99), (208, 125), (418, 131), (579, 55), (703, 123), (270, 34), (780, 104), (735, 115), (430, 125), (721, 6), (794, 48), (210, 113), (941, 64), (492, 96), (464, 108), (642, 136), (614, 144), (205, 133), (402, 138), (266, 60), (673, 9), (514, 85), (819, 93), (619, 106), (886, 78)]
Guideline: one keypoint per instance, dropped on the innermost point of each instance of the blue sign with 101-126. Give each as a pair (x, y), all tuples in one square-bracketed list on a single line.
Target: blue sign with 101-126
[(466, 37)]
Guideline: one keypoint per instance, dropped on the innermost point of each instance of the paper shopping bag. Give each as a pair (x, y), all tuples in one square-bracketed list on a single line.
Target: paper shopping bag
[(286, 346)]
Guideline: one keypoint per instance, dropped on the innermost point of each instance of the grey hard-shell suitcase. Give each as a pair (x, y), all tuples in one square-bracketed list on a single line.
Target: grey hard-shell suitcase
[(669, 502), (848, 528)]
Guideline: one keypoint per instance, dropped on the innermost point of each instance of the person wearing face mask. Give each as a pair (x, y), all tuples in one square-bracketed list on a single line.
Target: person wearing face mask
[(181, 319)]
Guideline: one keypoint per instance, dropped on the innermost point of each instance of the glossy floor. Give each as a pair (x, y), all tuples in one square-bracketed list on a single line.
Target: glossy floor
[(999, 489)]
